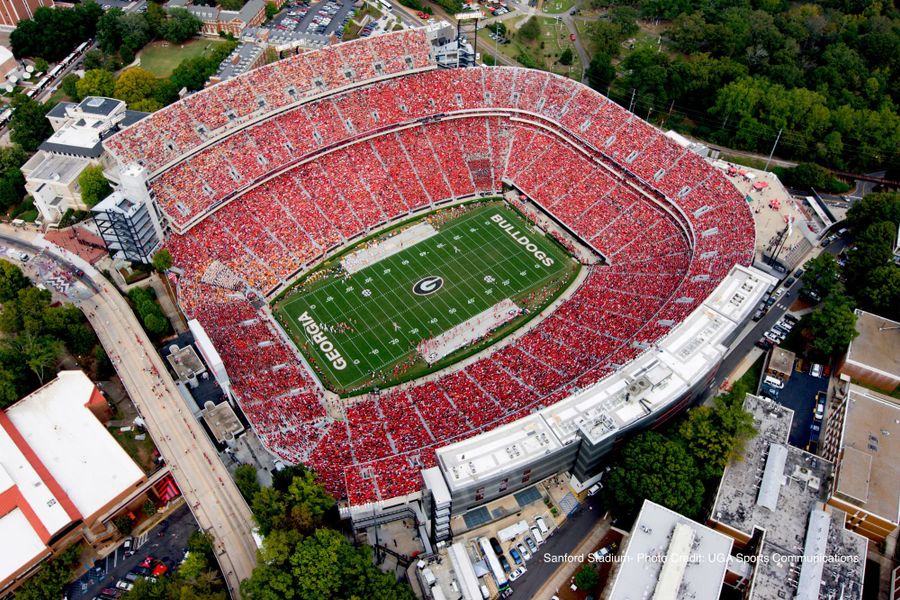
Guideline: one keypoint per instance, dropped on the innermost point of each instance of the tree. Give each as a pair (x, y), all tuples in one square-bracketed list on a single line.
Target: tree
[(134, 84), (715, 435), (321, 565), (162, 260), (52, 33), (109, 33), (821, 275), (96, 82), (123, 524), (11, 281), (881, 294), (180, 26), (655, 468), (94, 186), (586, 579), (811, 176), (29, 125), (70, 85), (600, 72), (874, 248), (530, 30), (39, 352), (566, 57), (247, 482), (135, 31), (149, 508), (874, 208), (93, 59), (51, 580), (831, 326)]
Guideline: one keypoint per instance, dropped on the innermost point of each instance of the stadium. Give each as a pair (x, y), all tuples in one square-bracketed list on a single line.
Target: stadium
[(346, 169)]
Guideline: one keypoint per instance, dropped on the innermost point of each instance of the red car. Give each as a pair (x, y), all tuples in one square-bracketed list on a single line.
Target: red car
[(159, 570), (148, 562)]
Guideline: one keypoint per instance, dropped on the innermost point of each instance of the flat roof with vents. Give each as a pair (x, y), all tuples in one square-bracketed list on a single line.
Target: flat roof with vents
[(868, 475), (670, 557)]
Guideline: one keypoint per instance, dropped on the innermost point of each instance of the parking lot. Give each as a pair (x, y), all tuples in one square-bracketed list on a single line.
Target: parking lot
[(799, 394), (167, 542), (310, 22)]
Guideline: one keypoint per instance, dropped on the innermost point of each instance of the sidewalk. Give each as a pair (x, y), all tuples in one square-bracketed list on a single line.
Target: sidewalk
[(565, 572)]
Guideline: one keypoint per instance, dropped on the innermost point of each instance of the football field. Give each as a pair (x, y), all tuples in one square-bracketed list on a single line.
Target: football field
[(361, 330)]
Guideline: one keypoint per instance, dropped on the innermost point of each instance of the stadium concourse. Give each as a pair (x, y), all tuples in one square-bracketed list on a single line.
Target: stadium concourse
[(263, 175)]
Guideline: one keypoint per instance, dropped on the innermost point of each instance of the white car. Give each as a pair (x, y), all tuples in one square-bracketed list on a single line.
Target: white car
[(523, 551), (517, 573)]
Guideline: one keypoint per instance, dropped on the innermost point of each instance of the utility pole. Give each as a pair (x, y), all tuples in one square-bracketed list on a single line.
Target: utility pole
[(631, 104), (778, 137)]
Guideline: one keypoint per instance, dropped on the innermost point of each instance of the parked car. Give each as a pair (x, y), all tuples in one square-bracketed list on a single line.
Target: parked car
[(517, 558), (531, 545), (517, 573), (774, 382), (495, 546), (816, 370), (523, 551), (504, 563), (764, 343), (124, 585)]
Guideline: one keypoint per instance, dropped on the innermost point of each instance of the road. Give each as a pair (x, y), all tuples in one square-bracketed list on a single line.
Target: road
[(561, 543), (204, 481), (737, 352), (167, 542)]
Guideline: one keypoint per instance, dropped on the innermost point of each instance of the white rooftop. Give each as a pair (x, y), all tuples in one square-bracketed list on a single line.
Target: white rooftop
[(28, 546), (649, 383), (74, 446), (671, 557)]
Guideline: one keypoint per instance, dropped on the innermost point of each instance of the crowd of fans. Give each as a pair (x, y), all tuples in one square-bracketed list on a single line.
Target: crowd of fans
[(670, 226)]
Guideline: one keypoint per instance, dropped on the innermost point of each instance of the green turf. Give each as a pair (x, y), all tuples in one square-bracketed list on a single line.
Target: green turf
[(161, 58), (374, 320)]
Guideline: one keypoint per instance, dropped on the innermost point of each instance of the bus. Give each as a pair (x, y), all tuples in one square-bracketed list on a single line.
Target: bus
[(494, 564)]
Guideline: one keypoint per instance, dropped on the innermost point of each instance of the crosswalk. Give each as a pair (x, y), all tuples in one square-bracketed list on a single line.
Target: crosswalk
[(141, 540)]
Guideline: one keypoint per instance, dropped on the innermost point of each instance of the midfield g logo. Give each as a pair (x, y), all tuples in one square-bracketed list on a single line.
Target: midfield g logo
[(428, 285)]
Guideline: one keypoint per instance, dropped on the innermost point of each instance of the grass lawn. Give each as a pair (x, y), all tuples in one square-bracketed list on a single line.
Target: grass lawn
[(558, 6), (161, 58), (554, 37), (141, 451), (375, 318)]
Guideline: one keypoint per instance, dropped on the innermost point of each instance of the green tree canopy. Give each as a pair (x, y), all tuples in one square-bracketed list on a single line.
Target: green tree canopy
[(587, 578), (321, 565), (247, 482), (11, 281), (29, 125), (162, 261), (94, 186), (51, 579), (530, 30), (180, 26), (52, 33), (821, 275), (96, 82), (831, 327), (716, 434), (134, 84), (655, 468)]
